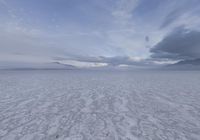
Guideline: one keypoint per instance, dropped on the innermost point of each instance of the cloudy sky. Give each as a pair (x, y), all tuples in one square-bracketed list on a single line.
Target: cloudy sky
[(100, 32)]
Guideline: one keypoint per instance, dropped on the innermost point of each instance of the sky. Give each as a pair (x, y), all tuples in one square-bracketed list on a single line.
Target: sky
[(99, 32)]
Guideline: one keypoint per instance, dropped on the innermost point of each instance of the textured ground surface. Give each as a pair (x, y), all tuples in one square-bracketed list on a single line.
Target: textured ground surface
[(77, 105)]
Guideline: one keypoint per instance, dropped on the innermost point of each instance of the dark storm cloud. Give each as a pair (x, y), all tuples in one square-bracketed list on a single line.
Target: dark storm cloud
[(180, 44)]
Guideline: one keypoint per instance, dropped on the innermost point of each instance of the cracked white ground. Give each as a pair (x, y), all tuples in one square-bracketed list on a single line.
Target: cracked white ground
[(94, 105)]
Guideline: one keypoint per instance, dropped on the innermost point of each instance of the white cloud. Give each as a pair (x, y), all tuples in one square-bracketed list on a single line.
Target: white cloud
[(81, 64)]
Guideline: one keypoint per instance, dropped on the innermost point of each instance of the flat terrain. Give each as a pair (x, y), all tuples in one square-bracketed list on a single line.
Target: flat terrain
[(94, 105)]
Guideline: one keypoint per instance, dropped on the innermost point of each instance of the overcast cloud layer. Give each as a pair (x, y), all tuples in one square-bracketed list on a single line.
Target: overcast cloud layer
[(116, 32)]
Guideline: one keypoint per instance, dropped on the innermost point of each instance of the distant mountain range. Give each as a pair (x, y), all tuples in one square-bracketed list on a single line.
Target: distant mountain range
[(10, 65), (193, 64), (35, 66)]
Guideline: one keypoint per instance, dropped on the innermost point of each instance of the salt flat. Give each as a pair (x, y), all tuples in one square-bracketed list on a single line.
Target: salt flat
[(99, 105)]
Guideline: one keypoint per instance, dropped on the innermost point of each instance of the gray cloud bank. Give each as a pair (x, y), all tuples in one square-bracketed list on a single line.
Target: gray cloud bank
[(181, 44)]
